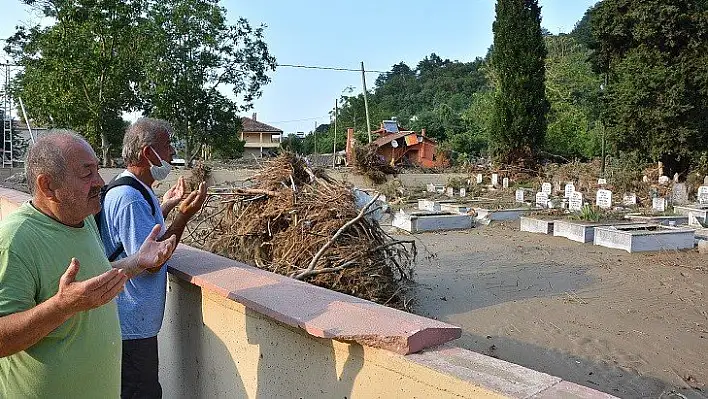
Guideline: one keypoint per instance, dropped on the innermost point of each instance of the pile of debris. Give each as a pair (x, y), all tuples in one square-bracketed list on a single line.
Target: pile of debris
[(368, 163), (297, 221)]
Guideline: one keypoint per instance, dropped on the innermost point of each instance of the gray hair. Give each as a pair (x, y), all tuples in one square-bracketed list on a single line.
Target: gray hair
[(142, 133), (47, 156)]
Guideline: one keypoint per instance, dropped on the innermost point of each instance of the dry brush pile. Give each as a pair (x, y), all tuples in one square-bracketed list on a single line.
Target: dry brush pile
[(297, 221)]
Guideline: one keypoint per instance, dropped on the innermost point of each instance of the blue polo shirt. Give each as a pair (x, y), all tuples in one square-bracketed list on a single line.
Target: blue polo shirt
[(127, 219)]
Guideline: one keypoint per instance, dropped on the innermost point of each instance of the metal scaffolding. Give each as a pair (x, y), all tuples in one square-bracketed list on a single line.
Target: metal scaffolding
[(8, 159)]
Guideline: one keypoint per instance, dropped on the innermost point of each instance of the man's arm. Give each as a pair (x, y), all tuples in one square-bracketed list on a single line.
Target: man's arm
[(187, 209), (151, 255), (21, 330)]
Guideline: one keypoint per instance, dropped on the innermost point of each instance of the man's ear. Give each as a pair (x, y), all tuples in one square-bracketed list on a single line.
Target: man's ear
[(46, 186), (145, 153)]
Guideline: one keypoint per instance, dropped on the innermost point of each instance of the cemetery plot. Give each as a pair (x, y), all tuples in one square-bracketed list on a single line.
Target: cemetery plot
[(644, 237)]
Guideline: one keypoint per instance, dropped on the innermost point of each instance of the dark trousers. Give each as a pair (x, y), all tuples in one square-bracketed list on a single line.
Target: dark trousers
[(139, 370)]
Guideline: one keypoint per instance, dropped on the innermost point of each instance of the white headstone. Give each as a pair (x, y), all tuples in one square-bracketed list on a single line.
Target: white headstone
[(479, 178), (679, 194), (450, 192), (431, 187), (658, 204), (569, 190), (629, 199), (664, 180), (601, 181), (576, 201), (705, 181), (541, 199), (495, 179), (703, 195), (604, 199), (520, 195), (546, 188), (463, 192), (505, 182)]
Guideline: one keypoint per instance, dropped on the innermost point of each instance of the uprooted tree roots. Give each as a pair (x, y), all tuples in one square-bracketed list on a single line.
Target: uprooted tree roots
[(369, 164), (299, 222)]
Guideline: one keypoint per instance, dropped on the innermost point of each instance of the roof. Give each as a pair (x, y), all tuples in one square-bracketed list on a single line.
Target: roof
[(250, 125), (383, 140)]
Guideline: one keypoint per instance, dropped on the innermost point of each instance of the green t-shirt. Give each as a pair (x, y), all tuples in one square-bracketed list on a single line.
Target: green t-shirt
[(82, 357)]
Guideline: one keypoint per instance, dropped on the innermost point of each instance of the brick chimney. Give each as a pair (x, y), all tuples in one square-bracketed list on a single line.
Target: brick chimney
[(254, 117)]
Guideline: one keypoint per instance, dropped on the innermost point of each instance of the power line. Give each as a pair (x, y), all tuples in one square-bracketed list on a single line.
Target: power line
[(326, 68), (300, 120)]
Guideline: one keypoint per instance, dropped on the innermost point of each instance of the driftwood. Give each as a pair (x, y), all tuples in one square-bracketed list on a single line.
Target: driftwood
[(297, 221)]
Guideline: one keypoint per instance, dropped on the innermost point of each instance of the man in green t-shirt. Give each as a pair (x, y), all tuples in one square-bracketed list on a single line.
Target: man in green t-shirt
[(59, 330)]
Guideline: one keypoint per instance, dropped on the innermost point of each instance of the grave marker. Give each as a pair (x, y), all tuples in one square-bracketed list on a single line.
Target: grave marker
[(576, 202), (541, 199), (450, 192), (520, 195), (495, 179), (703, 195), (679, 194), (658, 204), (663, 180), (479, 178), (705, 181), (569, 190), (505, 182), (601, 181), (463, 192), (629, 199), (604, 199), (431, 187), (546, 188)]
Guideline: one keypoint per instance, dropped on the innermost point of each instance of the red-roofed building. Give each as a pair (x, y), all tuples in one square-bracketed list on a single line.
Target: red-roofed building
[(259, 137), (405, 147)]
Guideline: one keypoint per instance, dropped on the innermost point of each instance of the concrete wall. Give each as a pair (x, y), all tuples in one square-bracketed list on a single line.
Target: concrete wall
[(235, 331)]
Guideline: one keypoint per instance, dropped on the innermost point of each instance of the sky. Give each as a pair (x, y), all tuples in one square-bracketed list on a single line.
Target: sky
[(344, 33)]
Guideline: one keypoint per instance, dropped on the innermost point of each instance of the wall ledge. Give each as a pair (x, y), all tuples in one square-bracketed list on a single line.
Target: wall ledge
[(321, 312)]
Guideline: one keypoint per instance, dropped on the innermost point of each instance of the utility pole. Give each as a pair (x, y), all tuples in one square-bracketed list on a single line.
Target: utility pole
[(334, 142), (314, 137), (366, 103)]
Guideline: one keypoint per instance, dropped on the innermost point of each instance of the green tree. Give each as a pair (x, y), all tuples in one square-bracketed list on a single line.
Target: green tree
[(79, 71), (520, 104), (655, 57), (194, 54)]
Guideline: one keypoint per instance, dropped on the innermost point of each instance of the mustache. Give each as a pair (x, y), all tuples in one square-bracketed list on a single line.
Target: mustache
[(95, 190)]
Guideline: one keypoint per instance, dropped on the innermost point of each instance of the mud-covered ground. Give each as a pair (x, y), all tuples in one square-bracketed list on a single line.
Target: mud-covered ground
[(633, 325)]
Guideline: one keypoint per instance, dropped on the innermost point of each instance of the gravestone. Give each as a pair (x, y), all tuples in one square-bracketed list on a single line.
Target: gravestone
[(450, 192), (601, 181), (664, 180), (575, 203), (705, 181), (703, 195), (431, 187), (463, 192), (629, 199), (520, 195), (505, 182), (569, 190), (541, 199), (679, 194), (546, 189), (604, 199), (479, 178), (658, 204), (495, 179)]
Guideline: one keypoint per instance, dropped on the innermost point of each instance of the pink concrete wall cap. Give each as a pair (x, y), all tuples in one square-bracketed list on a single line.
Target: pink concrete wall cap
[(321, 312)]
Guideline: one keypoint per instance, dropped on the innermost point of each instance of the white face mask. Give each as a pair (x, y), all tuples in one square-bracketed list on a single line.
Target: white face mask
[(159, 172)]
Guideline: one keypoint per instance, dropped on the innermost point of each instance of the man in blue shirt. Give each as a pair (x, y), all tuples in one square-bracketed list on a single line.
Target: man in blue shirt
[(126, 220)]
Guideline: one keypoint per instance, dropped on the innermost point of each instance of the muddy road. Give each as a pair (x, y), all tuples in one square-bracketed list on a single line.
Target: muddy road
[(633, 325)]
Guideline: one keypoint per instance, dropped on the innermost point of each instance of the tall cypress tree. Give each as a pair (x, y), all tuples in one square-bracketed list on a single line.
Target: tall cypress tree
[(520, 104)]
